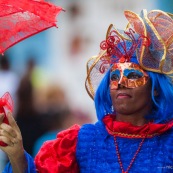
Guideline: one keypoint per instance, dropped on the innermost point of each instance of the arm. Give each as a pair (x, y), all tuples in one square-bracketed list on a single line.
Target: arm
[(30, 165), (58, 155)]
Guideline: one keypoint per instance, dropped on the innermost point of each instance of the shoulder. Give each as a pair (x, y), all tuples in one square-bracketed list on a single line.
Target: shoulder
[(59, 152), (98, 128), (64, 136), (91, 132), (167, 134), (72, 131)]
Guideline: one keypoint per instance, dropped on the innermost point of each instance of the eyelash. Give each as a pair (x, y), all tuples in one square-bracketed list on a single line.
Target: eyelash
[(134, 75), (131, 75), (115, 77)]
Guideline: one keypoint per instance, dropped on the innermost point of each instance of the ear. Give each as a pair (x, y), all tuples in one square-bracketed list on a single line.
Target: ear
[(155, 93)]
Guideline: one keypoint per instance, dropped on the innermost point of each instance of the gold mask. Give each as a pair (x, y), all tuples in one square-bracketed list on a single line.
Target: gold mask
[(129, 75)]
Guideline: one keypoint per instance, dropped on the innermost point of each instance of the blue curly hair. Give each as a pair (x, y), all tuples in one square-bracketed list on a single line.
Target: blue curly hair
[(162, 110)]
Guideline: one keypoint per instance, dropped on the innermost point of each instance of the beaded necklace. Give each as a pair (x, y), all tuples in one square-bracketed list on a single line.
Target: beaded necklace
[(133, 159)]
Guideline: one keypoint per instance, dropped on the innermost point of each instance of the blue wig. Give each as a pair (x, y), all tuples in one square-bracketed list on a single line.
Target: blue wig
[(162, 110)]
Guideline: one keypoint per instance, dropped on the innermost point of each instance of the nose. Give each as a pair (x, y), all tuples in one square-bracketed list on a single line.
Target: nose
[(121, 82), (120, 86)]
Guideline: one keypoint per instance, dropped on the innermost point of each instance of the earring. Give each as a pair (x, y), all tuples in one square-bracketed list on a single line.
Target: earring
[(112, 109)]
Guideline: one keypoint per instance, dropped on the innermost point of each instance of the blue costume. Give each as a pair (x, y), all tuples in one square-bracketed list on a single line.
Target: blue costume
[(96, 152)]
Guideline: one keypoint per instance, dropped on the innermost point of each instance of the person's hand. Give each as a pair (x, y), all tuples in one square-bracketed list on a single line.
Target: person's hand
[(11, 135)]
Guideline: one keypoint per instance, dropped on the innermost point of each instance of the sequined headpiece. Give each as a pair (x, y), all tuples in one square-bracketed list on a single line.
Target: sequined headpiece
[(148, 38)]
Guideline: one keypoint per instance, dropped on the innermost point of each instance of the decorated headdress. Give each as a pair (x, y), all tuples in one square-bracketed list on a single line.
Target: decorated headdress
[(148, 37)]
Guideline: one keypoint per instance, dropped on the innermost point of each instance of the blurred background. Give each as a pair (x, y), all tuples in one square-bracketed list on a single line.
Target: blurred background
[(45, 74)]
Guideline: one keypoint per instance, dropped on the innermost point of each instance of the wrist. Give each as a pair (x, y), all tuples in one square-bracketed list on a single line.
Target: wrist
[(18, 163)]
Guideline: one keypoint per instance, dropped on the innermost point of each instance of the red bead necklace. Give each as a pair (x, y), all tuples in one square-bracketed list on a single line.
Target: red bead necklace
[(133, 159)]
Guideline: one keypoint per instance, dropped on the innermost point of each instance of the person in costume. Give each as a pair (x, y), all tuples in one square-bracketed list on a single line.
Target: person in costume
[(131, 84)]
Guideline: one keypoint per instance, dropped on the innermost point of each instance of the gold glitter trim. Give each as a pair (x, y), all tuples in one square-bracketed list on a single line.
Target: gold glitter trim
[(131, 135)]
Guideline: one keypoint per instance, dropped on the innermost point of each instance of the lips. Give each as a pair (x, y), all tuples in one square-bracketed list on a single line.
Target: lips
[(123, 95)]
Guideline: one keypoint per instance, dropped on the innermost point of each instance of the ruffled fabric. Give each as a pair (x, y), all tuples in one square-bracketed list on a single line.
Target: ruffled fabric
[(127, 130), (59, 155)]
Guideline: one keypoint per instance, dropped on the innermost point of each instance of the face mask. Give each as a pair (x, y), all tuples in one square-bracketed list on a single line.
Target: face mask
[(129, 75)]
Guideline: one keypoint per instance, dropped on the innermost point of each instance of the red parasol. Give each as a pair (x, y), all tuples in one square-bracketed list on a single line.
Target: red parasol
[(20, 19)]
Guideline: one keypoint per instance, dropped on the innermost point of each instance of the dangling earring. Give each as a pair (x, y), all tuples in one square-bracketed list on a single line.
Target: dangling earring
[(112, 109)]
